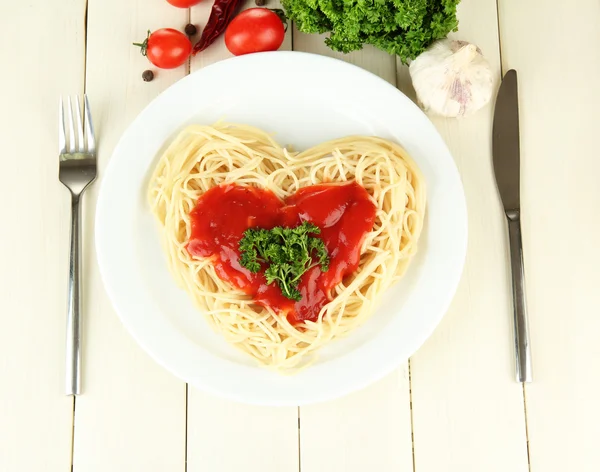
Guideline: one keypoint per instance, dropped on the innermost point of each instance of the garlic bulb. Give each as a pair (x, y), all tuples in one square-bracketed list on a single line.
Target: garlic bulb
[(452, 78)]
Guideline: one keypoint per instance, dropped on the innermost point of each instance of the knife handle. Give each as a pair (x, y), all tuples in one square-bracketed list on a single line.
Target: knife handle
[(521, 326)]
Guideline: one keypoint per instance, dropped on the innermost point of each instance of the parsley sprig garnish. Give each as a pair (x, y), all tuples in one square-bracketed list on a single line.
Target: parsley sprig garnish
[(287, 252)]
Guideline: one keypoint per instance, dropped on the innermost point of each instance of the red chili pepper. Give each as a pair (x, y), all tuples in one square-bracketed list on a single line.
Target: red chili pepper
[(220, 16)]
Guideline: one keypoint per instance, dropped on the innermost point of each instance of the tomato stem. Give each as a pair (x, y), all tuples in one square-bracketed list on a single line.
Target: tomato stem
[(143, 46), (281, 14)]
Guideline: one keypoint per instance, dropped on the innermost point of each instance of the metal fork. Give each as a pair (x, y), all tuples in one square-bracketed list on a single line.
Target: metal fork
[(77, 171)]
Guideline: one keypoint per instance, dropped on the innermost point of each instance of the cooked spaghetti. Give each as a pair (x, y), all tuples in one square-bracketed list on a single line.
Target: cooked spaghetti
[(204, 157)]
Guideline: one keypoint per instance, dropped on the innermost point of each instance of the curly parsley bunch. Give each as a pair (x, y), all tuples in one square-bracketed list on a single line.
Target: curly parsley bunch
[(401, 27), (287, 253)]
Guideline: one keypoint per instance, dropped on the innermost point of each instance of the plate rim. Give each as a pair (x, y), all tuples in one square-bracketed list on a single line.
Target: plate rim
[(385, 368)]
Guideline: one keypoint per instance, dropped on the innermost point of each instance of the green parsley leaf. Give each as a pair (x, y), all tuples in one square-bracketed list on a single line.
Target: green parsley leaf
[(317, 246), (286, 253), (401, 27)]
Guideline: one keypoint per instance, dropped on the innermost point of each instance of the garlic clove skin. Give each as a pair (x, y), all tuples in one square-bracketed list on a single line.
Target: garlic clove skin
[(452, 78)]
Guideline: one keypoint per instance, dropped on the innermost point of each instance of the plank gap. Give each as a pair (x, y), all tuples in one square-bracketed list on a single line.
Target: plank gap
[(526, 428), (410, 402), (502, 71), (499, 38), (73, 433), (299, 438), (185, 463), (188, 71), (85, 45)]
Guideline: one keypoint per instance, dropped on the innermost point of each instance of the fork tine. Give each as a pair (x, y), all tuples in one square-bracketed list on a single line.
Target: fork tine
[(89, 127), (80, 142), (71, 129), (62, 138)]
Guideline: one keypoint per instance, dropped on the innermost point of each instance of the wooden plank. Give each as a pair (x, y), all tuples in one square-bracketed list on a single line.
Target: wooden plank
[(35, 415), (228, 436), (554, 50), (263, 439), (467, 409), (132, 413), (369, 58), (334, 435), (367, 430)]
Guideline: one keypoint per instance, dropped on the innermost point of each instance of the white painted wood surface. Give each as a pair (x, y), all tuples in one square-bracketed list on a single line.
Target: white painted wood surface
[(467, 409), (559, 96), (132, 415), (35, 416), (454, 407)]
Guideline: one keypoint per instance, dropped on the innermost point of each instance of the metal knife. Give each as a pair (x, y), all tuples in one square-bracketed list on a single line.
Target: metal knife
[(506, 156)]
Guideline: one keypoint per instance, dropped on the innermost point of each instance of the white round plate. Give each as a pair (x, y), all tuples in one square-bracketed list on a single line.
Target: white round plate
[(305, 99)]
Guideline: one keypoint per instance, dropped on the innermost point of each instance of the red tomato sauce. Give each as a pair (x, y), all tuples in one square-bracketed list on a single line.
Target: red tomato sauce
[(343, 212)]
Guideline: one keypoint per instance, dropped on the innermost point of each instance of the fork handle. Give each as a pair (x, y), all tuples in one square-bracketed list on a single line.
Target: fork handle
[(521, 326), (73, 348)]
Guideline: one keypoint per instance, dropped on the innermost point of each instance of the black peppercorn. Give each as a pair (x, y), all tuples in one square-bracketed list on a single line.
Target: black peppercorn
[(260, 3), (148, 75), (190, 30)]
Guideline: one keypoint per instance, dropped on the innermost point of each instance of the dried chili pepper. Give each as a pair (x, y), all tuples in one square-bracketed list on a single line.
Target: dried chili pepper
[(221, 14)]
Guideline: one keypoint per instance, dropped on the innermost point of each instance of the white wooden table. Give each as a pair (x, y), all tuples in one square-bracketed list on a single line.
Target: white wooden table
[(453, 407)]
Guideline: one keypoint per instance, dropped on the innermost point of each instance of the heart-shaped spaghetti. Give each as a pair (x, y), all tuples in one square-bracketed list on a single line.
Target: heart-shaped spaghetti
[(204, 157)]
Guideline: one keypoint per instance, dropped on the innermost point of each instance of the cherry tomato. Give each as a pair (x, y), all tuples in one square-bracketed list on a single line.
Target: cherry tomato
[(184, 3), (254, 30), (166, 48)]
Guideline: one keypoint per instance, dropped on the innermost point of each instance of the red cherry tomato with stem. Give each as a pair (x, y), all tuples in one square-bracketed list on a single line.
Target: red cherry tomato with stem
[(184, 3), (254, 30), (166, 48)]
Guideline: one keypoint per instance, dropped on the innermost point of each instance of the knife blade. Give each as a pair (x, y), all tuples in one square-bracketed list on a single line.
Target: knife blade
[(505, 142), (507, 169)]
